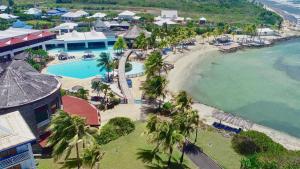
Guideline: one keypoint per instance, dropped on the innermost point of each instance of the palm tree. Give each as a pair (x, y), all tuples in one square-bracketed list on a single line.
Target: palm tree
[(105, 62), (233, 34), (66, 133), (120, 45), (92, 155), (154, 64), (96, 86), (141, 42), (105, 89), (186, 122), (154, 88), (182, 101), (82, 93), (166, 137)]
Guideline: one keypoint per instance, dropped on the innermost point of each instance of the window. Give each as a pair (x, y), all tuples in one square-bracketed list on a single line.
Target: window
[(41, 114)]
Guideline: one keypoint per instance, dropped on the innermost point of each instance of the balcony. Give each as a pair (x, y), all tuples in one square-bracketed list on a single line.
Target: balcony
[(13, 160)]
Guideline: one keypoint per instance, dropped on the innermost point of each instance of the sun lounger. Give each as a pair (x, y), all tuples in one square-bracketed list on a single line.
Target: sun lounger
[(226, 128)]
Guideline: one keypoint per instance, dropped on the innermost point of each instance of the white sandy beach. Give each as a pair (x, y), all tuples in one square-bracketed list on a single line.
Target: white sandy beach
[(185, 62)]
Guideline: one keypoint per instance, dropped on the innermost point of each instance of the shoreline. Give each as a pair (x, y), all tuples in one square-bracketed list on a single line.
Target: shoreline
[(184, 62)]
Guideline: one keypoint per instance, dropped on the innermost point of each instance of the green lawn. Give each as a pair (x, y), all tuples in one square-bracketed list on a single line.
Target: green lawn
[(219, 148), (122, 153)]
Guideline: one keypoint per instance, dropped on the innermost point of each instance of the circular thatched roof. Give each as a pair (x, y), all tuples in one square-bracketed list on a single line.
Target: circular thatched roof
[(20, 84)]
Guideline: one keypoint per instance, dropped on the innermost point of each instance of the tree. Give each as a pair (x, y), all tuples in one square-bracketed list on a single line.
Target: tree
[(88, 21), (82, 93), (66, 133), (11, 3), (105, 62), (120, 45), (186, 122), (96, 86), (92, 155), (182, 101), (105, 88), (141, 42), (154, 64), (154, 88), (166, 137)]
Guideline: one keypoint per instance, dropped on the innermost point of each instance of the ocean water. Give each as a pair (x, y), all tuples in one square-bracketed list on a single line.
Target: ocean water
[(262, 85), (291, 7)]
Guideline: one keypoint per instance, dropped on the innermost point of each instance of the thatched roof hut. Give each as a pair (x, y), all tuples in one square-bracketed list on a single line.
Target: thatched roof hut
[(20, 84), (134, 32)]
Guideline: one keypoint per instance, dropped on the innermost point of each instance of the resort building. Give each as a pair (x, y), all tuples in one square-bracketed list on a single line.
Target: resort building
[(266, 32), (16, 40), (65, 27), (169, 17), (98, 15), (15, 142), (126, 15), (36, 96), (74, 16), (3, 8), (132, 34), (33, 11), (57, 12), (8, 16), (202, 21), (21, 24), (83, 40)]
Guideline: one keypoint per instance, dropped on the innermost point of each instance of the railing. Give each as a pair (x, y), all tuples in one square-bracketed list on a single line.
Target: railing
[(134, 75), (15, 159)]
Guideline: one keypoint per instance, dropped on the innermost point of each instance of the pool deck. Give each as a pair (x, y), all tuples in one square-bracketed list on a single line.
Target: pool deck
[(122, 78)]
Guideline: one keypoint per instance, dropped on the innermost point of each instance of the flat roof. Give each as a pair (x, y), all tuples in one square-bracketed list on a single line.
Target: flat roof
[(14, 131), (82, 36)]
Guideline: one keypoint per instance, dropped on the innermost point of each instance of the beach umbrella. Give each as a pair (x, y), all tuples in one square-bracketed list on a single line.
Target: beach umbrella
[(76, 88), (96, 79)]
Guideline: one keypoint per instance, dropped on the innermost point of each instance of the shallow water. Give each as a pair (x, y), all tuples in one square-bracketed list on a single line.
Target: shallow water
[(262, 85)]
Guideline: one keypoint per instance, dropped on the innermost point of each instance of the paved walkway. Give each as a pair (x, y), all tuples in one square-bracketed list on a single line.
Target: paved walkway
[(122, 78), (199, 158)]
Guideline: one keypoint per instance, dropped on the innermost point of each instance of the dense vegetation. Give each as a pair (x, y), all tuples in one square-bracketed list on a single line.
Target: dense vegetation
[(115, 128), (263, 153), (229, 11)]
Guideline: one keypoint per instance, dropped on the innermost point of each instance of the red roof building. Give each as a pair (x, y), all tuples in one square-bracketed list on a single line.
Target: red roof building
[(82, 108)]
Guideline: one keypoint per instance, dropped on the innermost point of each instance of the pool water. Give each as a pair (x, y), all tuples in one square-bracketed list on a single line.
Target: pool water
[(96, 52), (85, 68)]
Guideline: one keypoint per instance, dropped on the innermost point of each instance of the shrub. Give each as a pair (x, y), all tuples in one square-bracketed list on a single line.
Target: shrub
[(107, 134), (128, 67), (250, 142), (123, 125), (114, 129)]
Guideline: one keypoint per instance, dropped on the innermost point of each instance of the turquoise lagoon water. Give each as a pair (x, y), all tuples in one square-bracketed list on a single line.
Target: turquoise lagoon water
[(85, 68), (262, 85)]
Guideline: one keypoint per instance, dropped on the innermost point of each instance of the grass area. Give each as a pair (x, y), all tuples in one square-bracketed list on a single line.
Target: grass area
[(123, 153), (219, 148)]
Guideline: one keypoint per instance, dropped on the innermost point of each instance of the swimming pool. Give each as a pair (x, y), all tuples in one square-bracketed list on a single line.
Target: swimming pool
[(86, 68), (80, 52)]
